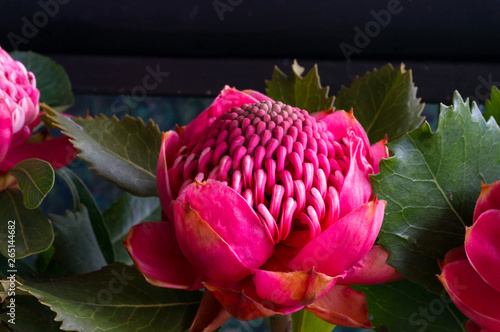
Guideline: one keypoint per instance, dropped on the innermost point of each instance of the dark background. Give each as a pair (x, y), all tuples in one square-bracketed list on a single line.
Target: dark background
[(106, 45)]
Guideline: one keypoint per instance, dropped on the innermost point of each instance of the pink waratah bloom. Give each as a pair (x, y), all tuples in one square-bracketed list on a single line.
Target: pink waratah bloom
[(471, 273), (270, 209), (19, 112)]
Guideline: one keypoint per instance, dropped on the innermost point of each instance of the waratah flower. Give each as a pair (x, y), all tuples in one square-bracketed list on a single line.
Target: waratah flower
[(269, 208), (19, 112), (471, 273)]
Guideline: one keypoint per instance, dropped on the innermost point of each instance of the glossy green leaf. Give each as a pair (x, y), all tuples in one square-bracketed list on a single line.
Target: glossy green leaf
[(406, 306), (33, 232), (126, 212), (384, 102), (116, 299), (76, 247), (31, 316), (304, 321), (492, 105), (82, 196), (35, 178), (51, 79), (431, 186), (303, 92), (124, 152)]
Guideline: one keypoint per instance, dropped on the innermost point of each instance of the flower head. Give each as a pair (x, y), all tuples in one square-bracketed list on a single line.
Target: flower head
[(19, 110), (471, 273), (268, 208)]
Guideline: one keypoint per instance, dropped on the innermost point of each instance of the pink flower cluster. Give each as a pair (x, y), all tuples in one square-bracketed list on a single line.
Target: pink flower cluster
[(19, 112)]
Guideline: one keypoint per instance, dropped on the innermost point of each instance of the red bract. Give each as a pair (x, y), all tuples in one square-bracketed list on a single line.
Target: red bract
[(270, 209), (18, 117), (471, 274)]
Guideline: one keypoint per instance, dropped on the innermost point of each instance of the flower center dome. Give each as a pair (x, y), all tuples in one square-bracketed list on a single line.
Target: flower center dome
[(285, 164)]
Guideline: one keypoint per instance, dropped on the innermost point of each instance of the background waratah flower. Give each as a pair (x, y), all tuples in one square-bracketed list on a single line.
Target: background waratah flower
[(471, 273), (19, 116), (270, 209)]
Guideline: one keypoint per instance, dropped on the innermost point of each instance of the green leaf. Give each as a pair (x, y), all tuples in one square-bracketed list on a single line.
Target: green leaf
[(44, 259), (82, 196), (492, 105), (51, 79), (125, 212), (405, 306), (32, 316), (124, 152), (116, 298), (35, 178), (303, 92), (76, 247), (33, 232), (304, 321), (431, 186), (384, 102)]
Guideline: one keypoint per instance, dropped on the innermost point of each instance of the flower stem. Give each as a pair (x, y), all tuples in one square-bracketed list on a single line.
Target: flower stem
[(281, 323)]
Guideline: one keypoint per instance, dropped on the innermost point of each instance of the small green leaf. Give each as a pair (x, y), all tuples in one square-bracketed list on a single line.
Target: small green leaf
[(384, 102), (82, 196), (32, 233), (303, 92), (51, 79), (32, 316), (124, 152), (116, 298), (304, 321), (35, 178), (44, 259), (405, 306), (76, 247), (492, 105), (431, 186), (125, 212)]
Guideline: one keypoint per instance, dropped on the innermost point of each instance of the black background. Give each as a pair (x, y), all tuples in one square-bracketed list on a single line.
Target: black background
[(105, 45)]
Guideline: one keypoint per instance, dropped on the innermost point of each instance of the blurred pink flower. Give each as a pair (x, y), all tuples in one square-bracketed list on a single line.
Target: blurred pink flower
[(19, 112), (270, 209), (471, 273)]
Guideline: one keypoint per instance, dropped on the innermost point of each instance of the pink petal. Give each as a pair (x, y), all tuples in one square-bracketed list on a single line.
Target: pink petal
[(454, 254), (5, 130), (342, 306), (339, 123), (59, 152), (488, 199), (379, 151), (210, 315), (474, 297), (154, 250), (242, 302), (204, 248), (482, 246), (344, 243), (258, 96), (292, 288), (170, 144), (371, 269), (228, 215), (471, 326), (357, 188), (225, 101), (321, 114)]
